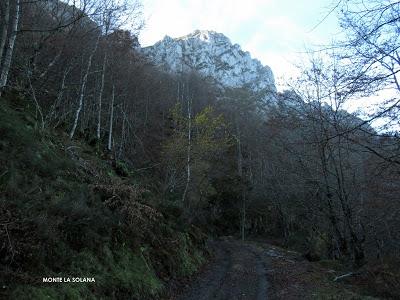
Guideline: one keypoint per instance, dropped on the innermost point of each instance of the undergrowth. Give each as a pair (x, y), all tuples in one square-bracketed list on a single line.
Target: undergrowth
[(67, 212)]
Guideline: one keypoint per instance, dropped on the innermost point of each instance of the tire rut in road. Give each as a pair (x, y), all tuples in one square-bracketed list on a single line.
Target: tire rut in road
[(238, 272), (207, 284)]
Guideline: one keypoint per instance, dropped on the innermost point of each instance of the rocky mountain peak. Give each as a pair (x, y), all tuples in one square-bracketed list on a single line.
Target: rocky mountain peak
[(213, 55), (208, 36)]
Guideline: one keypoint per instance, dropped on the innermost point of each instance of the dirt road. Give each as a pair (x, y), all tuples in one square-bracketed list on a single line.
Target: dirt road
[(237, 272), (260, 271)]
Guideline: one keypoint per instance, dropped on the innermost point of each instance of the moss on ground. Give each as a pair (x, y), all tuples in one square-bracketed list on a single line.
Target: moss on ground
[(60, 218)]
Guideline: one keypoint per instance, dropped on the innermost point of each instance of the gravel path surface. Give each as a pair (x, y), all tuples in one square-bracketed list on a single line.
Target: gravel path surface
[(257, 270), (238, 272)]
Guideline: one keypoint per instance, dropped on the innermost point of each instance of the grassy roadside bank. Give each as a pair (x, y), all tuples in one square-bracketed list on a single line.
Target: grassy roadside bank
[(67, 210)]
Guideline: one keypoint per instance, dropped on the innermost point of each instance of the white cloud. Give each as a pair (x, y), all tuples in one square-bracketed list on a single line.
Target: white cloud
[(274, 31), (179, 17)]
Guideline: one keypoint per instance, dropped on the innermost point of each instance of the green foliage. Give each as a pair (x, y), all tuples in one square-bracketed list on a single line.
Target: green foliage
[(70, 219), (27, 292), (122, 169), (209, 141), (183, 258), (134, 274), (119, 274), (210, 132), (189, 258)]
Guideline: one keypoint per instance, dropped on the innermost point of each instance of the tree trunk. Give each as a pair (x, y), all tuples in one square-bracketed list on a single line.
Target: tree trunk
[(111, 119), (83, 87), (51, 64), (4, 28), (243, 215), (332, 215), (121, 144), (33, 94), (358, 251), (189, 146), (240, 173), (103, 71), (59, 96), (5, 67)]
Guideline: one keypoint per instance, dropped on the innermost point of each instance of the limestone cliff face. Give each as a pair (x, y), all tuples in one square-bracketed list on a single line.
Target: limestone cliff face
[(213, 55)]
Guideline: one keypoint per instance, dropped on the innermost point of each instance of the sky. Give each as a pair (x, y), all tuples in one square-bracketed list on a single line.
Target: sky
[(277, 32)]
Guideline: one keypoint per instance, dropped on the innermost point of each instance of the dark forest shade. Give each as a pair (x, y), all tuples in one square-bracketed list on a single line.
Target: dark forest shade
[(110, 163)]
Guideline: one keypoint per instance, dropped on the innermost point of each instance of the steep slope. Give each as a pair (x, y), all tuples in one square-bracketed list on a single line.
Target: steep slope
[(213, 55), (68, 211)]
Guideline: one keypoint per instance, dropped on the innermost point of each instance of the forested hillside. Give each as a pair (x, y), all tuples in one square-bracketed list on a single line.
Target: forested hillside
[(117, 168)]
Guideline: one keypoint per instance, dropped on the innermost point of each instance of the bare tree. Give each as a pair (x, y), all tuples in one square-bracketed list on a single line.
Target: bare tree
[(5, 16), (240, 173), (371, 55), (189, 145), (83, 87), (110, 129), (8, 51)]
